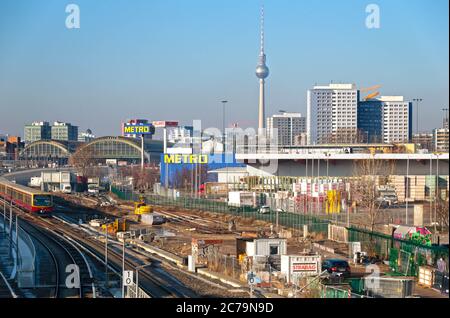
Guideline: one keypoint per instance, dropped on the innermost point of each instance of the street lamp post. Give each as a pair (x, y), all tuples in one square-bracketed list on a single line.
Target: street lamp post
[(123, 267), (437, 187), (407, 189), (224, 103)]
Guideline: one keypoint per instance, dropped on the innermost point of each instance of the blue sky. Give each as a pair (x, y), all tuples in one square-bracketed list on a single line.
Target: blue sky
[(176, 59)]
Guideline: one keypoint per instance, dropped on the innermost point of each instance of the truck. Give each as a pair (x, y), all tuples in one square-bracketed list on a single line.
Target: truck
[(241, 199), (93, 189), (93, 185)]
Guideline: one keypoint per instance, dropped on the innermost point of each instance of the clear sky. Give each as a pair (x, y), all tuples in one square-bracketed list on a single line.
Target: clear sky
[(176, 59)]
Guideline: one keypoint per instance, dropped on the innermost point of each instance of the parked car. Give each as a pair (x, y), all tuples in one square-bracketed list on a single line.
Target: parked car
[(281, 211), (336, 266), (264, 209)]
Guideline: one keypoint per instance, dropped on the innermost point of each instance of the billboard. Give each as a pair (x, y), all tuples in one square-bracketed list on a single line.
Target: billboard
[(138, 129), (185, 159), (164, 124)]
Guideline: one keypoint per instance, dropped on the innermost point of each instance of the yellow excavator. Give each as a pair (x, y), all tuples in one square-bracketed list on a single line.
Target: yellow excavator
[(141, 207), (116, 226)]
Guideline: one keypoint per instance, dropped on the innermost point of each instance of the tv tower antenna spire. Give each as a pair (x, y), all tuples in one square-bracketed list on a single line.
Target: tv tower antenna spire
[(262, 72)]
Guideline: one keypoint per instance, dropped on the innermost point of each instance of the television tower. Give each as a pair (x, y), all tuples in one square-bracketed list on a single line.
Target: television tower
[(262, 72)]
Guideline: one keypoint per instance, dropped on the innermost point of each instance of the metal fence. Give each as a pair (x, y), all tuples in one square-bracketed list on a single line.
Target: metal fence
[(130, 292), (288, 219), (335, 292), (404, 257)]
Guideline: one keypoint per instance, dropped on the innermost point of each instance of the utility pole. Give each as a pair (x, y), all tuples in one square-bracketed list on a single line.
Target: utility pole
[(106, 254), (437, 187), (407, 189), (137, 277), (224, 103), (123, 266), (142, 153), (10, 221), (17, 236)]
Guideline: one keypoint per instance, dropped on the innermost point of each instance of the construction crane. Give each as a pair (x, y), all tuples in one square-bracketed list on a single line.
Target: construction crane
[(369, 89)]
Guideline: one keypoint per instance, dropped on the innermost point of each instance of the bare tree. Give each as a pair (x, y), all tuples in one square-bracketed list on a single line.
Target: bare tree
[(144, 179), (368, 175), (83, 160)]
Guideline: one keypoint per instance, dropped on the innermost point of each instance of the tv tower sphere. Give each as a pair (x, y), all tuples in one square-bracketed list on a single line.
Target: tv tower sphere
[(262, 71)]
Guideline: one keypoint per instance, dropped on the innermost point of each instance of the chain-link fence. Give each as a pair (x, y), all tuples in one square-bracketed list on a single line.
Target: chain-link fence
[(336, 292), (291, 220), (404, 257)]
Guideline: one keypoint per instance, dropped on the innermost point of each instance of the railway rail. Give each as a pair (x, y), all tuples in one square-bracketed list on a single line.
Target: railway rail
[(153, 280), (63, 256)]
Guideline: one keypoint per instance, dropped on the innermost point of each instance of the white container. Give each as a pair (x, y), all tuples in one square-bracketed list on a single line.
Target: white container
[(238, 199), (266, 247), (152, 219)]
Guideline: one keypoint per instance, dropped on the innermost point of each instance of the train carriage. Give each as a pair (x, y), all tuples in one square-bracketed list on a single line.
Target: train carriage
[(31, 200)]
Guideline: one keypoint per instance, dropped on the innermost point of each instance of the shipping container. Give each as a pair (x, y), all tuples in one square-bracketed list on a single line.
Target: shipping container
[(266, 247), (240, 199)]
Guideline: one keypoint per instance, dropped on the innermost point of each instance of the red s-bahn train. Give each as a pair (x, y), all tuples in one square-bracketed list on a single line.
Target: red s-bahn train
[(28, 199)]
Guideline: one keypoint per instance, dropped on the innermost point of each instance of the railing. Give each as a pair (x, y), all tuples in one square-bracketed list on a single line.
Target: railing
[(131, 292), (11, 291), (26, 268)]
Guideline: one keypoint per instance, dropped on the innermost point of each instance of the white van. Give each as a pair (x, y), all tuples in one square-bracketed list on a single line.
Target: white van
[(264, 209), (66, 188)]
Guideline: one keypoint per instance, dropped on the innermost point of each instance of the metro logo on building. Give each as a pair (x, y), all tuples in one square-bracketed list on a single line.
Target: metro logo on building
[(139, 129), (180, 159)]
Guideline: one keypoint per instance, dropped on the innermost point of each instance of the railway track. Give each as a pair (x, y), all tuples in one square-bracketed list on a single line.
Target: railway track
[(153, 280), (64, 259), (201, 224), (64, 255)]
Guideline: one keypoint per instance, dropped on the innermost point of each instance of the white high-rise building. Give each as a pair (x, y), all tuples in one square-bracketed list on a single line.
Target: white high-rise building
[(440, 139), (181, 135), (396, 119), (332, 114), (289, 127)]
